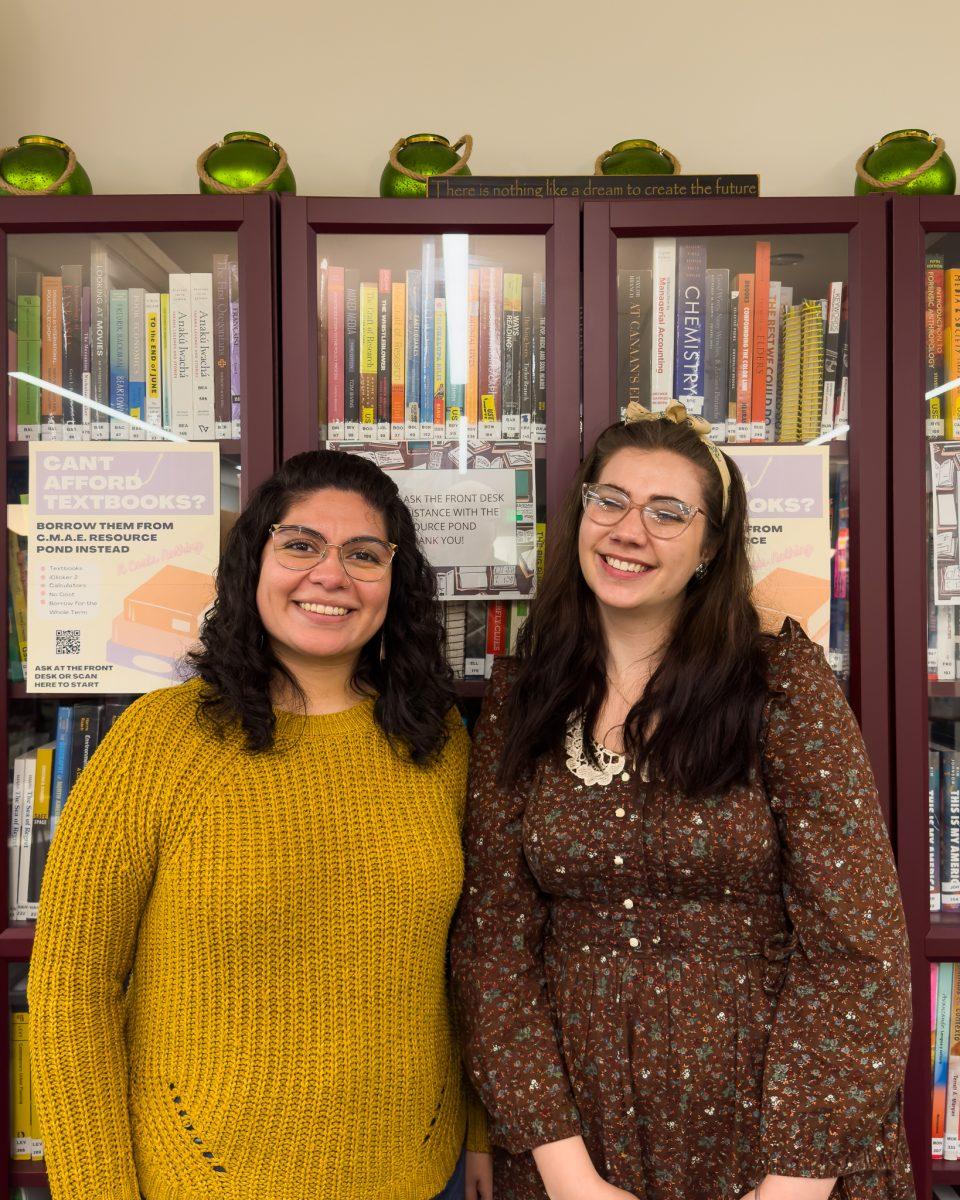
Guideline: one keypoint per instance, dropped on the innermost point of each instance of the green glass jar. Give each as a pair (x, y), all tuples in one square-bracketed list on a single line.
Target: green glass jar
[(245, 162), (909, 162), (42, 166), (413, 158), (636, 156)]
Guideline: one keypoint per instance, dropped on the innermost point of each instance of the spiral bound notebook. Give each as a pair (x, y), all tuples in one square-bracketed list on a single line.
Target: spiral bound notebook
[(788, 427), (811, 376)]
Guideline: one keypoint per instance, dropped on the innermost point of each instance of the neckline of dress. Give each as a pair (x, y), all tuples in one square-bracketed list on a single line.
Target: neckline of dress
[(609, 762)]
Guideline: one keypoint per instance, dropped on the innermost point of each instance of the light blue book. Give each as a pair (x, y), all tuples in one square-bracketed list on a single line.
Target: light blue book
[(412, 375), (61, 764), (119, 359)]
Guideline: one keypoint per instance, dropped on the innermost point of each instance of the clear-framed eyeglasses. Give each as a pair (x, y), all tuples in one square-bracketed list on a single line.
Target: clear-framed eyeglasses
[(299, 549), (667, 518)]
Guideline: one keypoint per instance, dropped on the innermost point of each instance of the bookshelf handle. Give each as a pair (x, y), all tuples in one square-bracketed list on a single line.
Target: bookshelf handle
[(225, 189), (466, 142), (885, 184), (13, 190)]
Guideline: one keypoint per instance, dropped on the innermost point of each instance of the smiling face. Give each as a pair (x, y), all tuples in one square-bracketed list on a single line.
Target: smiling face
[(626, 568), (323, 612)]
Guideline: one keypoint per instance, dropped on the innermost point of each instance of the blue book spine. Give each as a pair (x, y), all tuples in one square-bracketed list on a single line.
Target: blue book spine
[(691, 324), (61, 764), (950, 816), (413, 379), (427, 298), (119, 351)]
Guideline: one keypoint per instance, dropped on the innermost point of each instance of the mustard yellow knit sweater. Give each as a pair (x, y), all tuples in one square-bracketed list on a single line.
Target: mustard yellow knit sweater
[(282, 918)]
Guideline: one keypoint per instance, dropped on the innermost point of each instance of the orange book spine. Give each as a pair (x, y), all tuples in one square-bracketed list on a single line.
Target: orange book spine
[(761, 318), (951, 348), (51, 347), (745, 311)]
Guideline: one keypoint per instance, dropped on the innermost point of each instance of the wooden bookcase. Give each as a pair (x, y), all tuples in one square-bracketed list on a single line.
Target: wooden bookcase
[(151, 231), (919, 224)]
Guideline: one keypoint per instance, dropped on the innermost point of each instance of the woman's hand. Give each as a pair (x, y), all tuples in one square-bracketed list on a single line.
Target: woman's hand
[(479, 1176), (788, 1187), (568, 1173)]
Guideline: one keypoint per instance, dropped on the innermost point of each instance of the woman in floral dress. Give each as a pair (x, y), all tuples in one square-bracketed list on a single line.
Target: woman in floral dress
[(680, 957)]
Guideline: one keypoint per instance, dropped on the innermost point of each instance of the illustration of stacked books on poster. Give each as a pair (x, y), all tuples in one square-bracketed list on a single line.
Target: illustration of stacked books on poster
[(160, 621), (474, 507), (944, 457)]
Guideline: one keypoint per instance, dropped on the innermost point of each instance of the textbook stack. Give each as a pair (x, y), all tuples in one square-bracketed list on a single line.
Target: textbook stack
[(26, 1144), (478, 631), (942, 346), (42, 774), (761, 364), (168, 359), (432, 353)]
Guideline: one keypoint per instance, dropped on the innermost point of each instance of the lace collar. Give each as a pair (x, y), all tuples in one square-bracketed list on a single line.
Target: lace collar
[(608, 765)]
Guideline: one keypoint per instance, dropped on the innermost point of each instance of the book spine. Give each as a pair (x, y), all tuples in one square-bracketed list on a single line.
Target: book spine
[(384, 350), (51, 356), (526, 361), (61, 765), (137, 379), (472, 388), (222, 407), (368, 360), (662, 325), (181, 357), (119, 362), (496, 633), (950, 877), (13, 840), (773, 362), (716, 354), (745, 311), (100, 339), (732, 359), (842, 412), (40, 829), (933, 329), (951, 349), (491, 353), (811, 371), (439, 364), (761, 317), (512, 309), (475, 641), (691, 323), (351, 354), (86, 735), (428, 285), (398, 360), (540, 358), (153, 354), (20, 1084), (26, 833), (413, 372), (933, 827), (236, 400), (455, 628), (941, 1055), (28, 361), (203, 428), (85, 417), (831, 359), (166, 363), (72, 349), (335, 354), (951, 1126)]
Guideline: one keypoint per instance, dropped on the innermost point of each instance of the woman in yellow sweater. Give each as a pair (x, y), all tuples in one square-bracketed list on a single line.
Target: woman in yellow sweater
[(238, 983)]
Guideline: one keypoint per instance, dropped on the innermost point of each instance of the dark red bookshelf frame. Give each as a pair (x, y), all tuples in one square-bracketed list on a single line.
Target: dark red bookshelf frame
[(864, 221), (934, 937), (302, 219), (253, 219)]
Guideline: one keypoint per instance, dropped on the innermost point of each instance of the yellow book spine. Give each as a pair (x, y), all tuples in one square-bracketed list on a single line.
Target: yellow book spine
[(472, 391), (398, 358), (18, 595), (369, 298), (440, 361), (152, 321), (165, 359), (20, 1126), (951, 348)]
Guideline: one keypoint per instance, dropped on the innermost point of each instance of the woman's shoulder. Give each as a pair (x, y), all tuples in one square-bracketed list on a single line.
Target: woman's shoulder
[(795, 663), (160, 715)]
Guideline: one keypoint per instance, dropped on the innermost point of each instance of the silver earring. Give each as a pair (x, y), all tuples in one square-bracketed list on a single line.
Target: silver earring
[(700, 571)]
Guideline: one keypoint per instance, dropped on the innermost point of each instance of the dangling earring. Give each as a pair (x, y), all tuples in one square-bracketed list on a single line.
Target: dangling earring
[(700, 571)]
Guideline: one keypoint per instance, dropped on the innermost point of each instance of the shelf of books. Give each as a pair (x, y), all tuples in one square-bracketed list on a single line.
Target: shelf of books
[(926, 643), (140, 410), (763, 317), (440, 339)]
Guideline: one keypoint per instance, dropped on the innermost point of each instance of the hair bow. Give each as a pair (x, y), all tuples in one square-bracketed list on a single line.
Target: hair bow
[(677, 413)]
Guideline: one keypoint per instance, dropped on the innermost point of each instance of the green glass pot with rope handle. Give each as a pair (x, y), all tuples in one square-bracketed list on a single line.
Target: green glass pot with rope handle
[(909, 162), (245, 162), (42, 166), (636, 156), (416, 157)]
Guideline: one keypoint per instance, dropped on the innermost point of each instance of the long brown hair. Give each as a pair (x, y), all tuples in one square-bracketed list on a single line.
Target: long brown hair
[(696, 726)]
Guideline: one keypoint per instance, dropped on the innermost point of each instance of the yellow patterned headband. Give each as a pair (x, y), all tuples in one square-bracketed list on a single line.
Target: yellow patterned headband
[(678, 414)]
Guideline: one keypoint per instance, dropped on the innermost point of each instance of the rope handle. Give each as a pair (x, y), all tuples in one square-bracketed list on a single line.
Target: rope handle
[(672, 159), (886, 184), (225, 188), (13, 190), (466, 142)]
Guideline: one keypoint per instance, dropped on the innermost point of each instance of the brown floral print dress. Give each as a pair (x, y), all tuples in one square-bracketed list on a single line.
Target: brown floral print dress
[(706, 990)]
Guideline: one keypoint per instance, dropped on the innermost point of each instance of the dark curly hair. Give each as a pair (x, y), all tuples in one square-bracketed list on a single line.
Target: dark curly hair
[(413, 684)]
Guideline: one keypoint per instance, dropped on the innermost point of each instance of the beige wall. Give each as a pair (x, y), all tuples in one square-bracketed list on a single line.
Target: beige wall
[(791, 91)]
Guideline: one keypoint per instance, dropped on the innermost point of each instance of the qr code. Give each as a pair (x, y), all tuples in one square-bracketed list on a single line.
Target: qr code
[(68, 641)]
